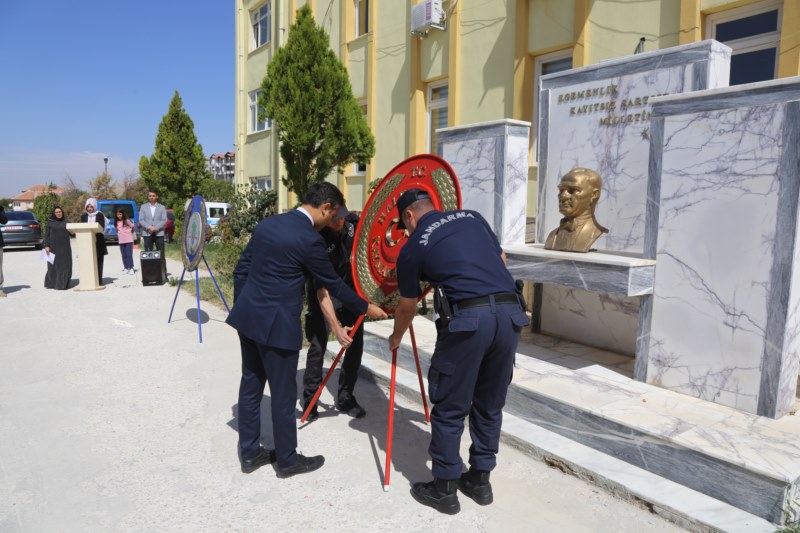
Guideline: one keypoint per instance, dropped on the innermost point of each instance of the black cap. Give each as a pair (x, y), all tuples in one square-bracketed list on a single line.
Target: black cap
[(341, 212), (408, 198)]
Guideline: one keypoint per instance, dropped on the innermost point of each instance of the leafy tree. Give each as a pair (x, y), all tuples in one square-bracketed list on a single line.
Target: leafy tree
[(101, 187), (132, 187), (178, 167), (214, 190), (73, 199), (6, 203), (307, 92), (250, 206), (43, 206)]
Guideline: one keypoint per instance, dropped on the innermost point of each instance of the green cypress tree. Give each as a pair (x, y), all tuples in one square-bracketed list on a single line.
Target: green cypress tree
[(178, 167), (307, 93)]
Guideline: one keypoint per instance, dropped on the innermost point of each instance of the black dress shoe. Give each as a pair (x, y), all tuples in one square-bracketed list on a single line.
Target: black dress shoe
[(304, 465), (313, 414), (351, 407), (475, 484), (440, 494), (264, 457)]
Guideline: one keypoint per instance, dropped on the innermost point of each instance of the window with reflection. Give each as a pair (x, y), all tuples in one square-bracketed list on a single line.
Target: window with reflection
[(753, 32)]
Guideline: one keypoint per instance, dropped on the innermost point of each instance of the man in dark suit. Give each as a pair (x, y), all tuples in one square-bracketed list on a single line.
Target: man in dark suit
[(268, 288)]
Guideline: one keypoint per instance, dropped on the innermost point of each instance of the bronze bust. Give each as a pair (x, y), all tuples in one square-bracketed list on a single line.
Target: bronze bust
[(578, 193)]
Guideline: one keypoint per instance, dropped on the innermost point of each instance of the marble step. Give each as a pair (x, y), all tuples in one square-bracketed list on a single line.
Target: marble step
[(749, 462), (681, 505)]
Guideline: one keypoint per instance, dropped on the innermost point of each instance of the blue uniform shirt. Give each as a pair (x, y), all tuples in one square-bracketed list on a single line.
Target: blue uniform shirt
[(456, 250)]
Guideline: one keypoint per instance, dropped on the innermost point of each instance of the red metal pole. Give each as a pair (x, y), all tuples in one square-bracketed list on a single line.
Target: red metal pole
[(419, 373), (390, 429), (330, 371)]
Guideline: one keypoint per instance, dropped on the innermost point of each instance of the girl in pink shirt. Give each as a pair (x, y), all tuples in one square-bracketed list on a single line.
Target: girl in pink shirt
[(126, 233)]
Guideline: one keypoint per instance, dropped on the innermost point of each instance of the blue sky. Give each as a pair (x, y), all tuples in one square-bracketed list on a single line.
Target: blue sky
[(85, 79)]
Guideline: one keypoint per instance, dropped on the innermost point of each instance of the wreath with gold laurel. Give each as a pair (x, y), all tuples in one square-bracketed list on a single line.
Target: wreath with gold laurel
[(372, 291)]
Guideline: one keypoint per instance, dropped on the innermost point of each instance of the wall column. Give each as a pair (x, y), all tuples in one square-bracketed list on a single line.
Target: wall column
[(691, 30), (454, 68), (580, 50), (789, 58)]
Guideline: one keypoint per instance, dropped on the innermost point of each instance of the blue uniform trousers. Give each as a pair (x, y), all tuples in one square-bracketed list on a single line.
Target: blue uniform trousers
[(262, 364), (471, 369)]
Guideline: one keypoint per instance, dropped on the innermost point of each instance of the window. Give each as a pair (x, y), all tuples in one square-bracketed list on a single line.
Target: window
[(257, 124), (358, 168), (753, 32), (262, 25), (362, 17), (543, 65), (437, 114), (263, 183)]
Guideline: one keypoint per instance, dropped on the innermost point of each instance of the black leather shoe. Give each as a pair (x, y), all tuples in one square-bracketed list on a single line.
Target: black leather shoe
[(440, 494), (475, 484), (264, 457), (304, 465), (313, 414), (351, 407)]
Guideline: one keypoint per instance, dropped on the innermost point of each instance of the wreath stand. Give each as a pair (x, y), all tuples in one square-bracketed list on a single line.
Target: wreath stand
[(196, 270), (392, 387)]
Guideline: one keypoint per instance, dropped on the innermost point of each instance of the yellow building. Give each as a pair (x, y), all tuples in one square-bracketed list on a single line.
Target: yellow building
[(482, 63)]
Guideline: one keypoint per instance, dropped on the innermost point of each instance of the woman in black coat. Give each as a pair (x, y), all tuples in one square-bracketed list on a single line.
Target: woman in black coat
[(56, 242), (91, 214)]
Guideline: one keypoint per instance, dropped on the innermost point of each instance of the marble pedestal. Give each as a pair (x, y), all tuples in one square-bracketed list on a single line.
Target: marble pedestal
[(491, 162), (599, 272), (722, 224), (88, 278), (598, 117)]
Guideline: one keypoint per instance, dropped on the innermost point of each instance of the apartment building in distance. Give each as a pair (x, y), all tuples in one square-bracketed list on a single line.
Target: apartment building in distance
[(480, 61), (222, 166)]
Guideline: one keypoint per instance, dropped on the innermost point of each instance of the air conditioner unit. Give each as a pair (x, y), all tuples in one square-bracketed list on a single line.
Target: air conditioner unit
[(427, 15)]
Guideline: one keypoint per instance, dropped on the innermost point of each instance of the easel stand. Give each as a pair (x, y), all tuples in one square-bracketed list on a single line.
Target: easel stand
[(392, 387), (197, 293)]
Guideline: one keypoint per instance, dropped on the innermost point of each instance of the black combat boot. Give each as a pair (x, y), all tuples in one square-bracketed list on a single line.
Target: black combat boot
[(475, 484), (440, 494)]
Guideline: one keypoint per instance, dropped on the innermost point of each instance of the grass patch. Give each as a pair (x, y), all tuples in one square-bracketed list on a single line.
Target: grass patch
[(208, 292)]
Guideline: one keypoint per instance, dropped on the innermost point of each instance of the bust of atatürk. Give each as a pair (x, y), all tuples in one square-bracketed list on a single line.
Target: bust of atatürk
[(578, 194)]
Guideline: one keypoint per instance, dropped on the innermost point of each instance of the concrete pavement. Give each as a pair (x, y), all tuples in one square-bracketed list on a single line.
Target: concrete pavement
[(111, 419)]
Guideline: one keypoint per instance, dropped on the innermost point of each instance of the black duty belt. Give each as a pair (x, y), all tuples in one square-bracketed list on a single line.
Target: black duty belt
[(499, 298)]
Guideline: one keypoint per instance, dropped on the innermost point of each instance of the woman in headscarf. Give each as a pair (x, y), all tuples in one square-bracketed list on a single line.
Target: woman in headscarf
[(56, 242), (91, 214)]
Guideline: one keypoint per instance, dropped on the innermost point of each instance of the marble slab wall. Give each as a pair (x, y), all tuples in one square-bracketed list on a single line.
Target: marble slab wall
[(599, 117), (722, 225), (491, 162)]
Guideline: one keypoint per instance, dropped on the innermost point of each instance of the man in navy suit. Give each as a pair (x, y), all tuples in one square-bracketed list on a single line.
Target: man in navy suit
[(268, 300)]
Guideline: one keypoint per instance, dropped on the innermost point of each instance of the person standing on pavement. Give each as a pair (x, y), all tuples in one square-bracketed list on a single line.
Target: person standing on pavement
[(268, 300), (56, 242), (126, 234), (3, 220), (471, 367), (339, 236), (152, 219), (91, 214)]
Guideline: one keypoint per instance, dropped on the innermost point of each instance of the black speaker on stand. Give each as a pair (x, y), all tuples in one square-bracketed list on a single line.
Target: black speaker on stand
[(154, 268)]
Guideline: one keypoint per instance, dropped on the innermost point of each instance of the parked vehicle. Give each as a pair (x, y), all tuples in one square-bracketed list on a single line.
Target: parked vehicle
[(22, 229), (215, 211), (109, 210), (169, 229)]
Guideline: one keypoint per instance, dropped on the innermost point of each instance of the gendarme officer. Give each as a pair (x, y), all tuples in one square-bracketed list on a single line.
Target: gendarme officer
[(471, 368)]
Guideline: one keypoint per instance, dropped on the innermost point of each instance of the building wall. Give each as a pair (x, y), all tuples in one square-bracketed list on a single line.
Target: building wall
[(487, 54)]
